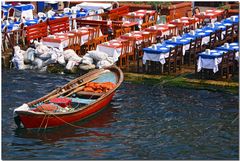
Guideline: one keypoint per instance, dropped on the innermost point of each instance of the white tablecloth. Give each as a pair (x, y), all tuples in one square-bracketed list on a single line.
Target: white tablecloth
[(155, 57), (60, 46), (208, 63), (111, 51), (95, 6)]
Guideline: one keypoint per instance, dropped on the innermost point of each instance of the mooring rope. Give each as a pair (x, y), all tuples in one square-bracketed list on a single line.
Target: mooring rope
[(66, 122)]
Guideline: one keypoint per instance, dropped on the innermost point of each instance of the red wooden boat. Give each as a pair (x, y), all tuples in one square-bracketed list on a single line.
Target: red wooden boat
[(72, 102)]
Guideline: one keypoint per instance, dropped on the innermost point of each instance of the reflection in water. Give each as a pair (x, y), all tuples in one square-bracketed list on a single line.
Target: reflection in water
[(101, 120), (141, 122)]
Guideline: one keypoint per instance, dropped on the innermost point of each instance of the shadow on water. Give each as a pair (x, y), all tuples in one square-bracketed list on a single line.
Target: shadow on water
[(141, 122)]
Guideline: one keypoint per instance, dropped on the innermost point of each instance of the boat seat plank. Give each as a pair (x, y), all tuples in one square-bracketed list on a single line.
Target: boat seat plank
[(89, 93), (82, 100)]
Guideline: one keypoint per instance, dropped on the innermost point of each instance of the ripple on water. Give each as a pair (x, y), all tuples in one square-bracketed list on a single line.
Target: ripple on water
[(142, 122)]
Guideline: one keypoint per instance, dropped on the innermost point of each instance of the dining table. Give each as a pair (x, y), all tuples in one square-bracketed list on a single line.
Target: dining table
[(210, 60), (112, 48), (210, 15), (231, 47), (24, 10)]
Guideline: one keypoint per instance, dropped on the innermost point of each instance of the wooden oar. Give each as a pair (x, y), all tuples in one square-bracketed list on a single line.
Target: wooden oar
[(94, 76), (76, 90)]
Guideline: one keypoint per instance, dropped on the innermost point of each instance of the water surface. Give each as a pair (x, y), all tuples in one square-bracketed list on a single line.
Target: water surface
[(142, 122)]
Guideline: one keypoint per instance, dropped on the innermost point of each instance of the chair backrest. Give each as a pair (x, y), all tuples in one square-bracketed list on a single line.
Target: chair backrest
[(36, 31), (97, 31), (153, 37), (179, 51), (229, 32), (212, 40), (2, 15), (231, 56), (146, 39), (129, 18), (168, 36), (198, 47), (11, 12), (125, 46), (4, 29), (172, 53), (118, 33), (72, 40), (225, 59), (114, 17), (146, 17), (192, 46), (144, 26), (126, 30), (58, 25), (21, 27), (236, 28), (132, 46), (189, 13), (90, 35), (218, 35)]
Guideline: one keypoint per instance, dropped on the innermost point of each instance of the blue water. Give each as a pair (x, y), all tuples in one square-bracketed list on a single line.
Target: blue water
[(142, 122)]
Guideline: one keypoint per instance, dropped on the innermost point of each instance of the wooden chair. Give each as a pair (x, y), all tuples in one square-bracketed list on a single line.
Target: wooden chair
[(169, 36), (131, 55), (179, 56), (189, 13), (228, 34), (153, 21), (11, 13), (3, 17), (224, 66), (146, 39), (58, 25), (89, 43), (71, 41), (129, 18), (224, 15), (144, 25), (153, 37), (139, 55), (146, 18), (18, 36), (212, 41), (190, 53), (123, 59), (36, 32), (114, 17), (170, 64), (235, 33), (5, 39), (78, 45), (198, 48), (219, 40), (117, 30), (231, 62), (126, 30)]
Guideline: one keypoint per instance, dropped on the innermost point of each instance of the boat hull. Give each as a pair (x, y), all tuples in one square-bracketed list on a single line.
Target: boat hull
[(29, 118), (50, 120)]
